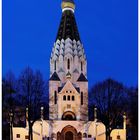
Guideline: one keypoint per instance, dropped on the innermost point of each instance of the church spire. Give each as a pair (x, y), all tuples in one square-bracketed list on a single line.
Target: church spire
[(68, 27)]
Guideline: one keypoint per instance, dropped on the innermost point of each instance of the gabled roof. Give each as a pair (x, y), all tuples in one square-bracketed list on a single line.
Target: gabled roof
[(54, 77), (78, 89), (82, 78), (70, 86), (59, 89)]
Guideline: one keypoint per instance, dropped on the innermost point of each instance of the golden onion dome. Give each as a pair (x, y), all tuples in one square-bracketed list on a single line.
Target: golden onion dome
[(68, 4)]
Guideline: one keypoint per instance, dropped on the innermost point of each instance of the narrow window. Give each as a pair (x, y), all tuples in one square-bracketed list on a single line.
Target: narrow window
[(68, 64), (89, 136), (55, 97), (18, 135), (81, 98), (26, 137), (81, 66), (68, 98), (64, 98), (73, 98), (54, 65), (118, 137)]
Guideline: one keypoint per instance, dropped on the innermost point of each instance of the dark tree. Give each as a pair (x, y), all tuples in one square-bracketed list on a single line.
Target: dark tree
[(31, 90), (8, 102), (110, 97), (132, 132)]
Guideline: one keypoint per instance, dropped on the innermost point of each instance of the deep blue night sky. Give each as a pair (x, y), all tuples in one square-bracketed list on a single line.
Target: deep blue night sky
[(108, 30)]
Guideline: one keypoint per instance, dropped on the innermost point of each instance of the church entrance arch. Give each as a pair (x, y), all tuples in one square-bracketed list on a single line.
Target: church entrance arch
[(68, 116), (68, 133)]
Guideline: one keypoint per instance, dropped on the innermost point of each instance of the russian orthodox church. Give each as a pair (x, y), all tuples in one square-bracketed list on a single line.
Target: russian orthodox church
[(68, 90)]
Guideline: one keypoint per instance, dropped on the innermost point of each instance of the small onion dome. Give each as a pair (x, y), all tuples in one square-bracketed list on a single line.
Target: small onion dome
[(68, 75), (68, 4)]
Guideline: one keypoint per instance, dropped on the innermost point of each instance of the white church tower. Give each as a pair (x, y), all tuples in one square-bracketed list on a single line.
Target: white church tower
[(68, 91), (68, 84)]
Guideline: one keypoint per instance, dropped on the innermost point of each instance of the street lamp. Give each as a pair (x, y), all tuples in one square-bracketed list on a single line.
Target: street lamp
[(42, 117), (11, 124), (95, 114), (42, 111), (95, 120)]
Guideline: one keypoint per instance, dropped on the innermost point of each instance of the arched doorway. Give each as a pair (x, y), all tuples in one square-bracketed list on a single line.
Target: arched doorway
[(69, 133), (68, 116)]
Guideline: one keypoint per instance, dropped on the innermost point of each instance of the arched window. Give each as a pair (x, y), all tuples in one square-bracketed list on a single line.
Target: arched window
[(81, 98), (73, 98), (68, 116), (55, 97), (81, 66), (89, 136), (68, 98), (55, 65), (79, 135), (64, 97), (68, 64)]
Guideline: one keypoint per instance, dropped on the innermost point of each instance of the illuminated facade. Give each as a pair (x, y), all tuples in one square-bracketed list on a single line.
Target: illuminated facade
[(68, 71), (68, 89)]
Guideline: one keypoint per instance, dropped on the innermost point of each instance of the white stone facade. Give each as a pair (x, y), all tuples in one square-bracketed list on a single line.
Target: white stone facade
[(68, 60), (64, 50), (51, 130)]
